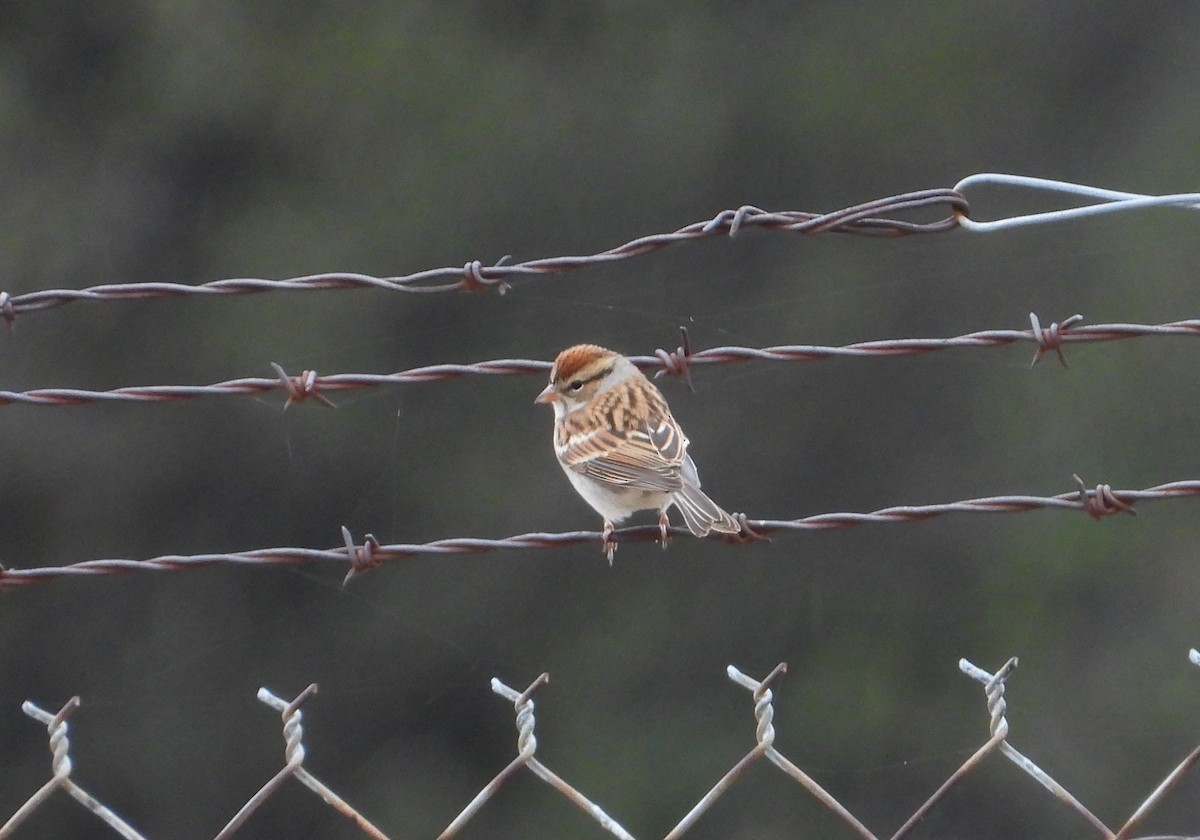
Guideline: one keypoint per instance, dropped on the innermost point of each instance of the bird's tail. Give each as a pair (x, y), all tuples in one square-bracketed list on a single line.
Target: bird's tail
[(701, 513)]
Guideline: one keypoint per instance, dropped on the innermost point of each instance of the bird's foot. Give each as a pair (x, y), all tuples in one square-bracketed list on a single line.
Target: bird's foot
[(663, 525), (608, 544)]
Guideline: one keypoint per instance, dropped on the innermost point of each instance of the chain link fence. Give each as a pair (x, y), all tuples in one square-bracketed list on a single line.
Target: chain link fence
[(761, 693)]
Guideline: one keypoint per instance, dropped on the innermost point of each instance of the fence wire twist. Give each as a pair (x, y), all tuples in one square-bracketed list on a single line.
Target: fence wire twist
[(869, 218), (1099, 502), (762, 693), (873, 218), (678, 362)]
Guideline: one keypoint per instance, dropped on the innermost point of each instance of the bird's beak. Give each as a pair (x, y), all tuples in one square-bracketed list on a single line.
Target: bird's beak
[(548, 395)]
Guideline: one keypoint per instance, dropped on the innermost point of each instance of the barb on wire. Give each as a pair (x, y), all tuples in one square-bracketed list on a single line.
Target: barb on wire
[(1111, 201), (6, 311), (362, 558), (1102, 501), (679, 362), (526, 747), (300, 388), (1051, 338), (376, 554), (872, 218), (309, 385), (60, 749), (293, 736)]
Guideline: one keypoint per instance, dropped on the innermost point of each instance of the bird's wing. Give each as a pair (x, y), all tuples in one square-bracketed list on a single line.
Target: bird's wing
[(647, 455)]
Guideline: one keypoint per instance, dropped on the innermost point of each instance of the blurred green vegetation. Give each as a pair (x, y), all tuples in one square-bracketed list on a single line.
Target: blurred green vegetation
[(189, 141)]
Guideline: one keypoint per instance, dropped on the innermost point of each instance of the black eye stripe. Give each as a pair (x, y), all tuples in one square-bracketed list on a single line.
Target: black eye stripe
[(599, 375)]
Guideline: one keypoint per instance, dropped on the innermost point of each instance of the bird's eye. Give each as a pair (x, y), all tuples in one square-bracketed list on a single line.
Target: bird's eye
[(575, 385)]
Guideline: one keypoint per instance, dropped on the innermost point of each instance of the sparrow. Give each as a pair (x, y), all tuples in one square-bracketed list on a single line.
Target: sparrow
[(623, 452)]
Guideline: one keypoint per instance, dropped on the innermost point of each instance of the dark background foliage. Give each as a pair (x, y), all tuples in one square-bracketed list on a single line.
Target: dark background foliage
[(193, 141)]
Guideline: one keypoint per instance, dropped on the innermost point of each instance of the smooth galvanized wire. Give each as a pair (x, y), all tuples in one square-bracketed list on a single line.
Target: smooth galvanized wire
[(1098, 502), (310, 385), (1110, 201)]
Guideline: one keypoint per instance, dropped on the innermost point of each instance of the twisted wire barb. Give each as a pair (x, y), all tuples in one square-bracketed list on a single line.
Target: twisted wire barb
[(60, 764), (761, 691), (764, 714), (526, 747), (294, 753), (764, 733), (993, 686), (1096, 502), (308, 385), (679, 362), (870, 219)]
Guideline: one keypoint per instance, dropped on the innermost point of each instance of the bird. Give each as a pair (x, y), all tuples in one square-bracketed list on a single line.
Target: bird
[(620, 446)]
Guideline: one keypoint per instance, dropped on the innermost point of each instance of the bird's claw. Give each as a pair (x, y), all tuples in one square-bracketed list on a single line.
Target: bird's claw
[(608, 544)]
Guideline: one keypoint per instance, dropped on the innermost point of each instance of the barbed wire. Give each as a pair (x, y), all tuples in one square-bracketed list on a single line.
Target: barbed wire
[(1099, 502), (872, 218), (678, 362), (762, 693)]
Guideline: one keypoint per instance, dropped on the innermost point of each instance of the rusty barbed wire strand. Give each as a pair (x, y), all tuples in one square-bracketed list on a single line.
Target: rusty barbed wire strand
[(298, 388), (1101, 501), (870, 218), (679, 362)]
